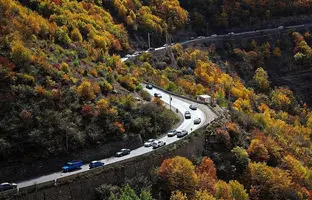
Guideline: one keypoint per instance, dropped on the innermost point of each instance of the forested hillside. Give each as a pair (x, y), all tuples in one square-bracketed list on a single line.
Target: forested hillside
[(214, 14), (61, 80)]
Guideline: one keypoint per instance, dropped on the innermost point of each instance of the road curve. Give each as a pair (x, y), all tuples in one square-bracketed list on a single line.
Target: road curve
[(187, 124)]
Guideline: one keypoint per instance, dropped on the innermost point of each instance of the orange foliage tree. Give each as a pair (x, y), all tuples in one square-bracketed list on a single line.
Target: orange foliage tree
[(207, 175), (180, 174)]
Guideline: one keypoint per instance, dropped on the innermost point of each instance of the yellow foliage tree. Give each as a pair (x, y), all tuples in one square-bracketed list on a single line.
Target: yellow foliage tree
[(203, 195), (88, 90), (76, 35), (261, 79), (177, 195), (20, 54)]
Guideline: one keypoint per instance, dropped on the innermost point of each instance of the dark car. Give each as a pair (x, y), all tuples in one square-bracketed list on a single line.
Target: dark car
[(182, 133), (157, 95), (193, 107), (151, 49), (7, 186), (123, 152), (197, 121), (187, 115), (95, 164), (172, 133), (149, 86)]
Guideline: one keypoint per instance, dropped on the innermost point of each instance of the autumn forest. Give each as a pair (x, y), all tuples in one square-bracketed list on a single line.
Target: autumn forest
[(65, 89)]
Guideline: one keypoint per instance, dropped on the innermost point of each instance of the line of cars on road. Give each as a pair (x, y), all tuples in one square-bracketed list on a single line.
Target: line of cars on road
[(154, 143), (178, 133), (187, 114), (159, 143), (77, 164)]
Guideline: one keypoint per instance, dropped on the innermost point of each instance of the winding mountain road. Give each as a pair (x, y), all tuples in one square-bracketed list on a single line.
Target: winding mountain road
[(187, 124)]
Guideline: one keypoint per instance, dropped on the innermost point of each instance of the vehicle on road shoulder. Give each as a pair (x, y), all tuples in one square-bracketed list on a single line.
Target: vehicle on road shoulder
[(123, 152), (187, 115), (95, 164), (197, 121), (72, 165), (172, 133), (7, 186), (182, 133), (158, 143), (149, 142)]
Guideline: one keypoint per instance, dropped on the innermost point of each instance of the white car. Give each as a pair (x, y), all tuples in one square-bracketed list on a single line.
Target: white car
[(187, 115), (172, 133), (193, 107), (158, 143), (197, 121), (149, 142)]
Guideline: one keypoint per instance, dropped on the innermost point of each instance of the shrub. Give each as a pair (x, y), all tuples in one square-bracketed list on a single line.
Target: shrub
[(105, 86), (145, 95), (61, 37), (88, 90), (76, 35), (128, 82), (101, 42), (65, 67), (20, 54)]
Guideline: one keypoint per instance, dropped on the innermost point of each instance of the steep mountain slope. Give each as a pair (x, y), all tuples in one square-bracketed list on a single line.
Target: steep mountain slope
[(60, 76)]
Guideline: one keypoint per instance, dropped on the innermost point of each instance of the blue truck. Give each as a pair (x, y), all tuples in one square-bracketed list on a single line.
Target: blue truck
[(72, 165)]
